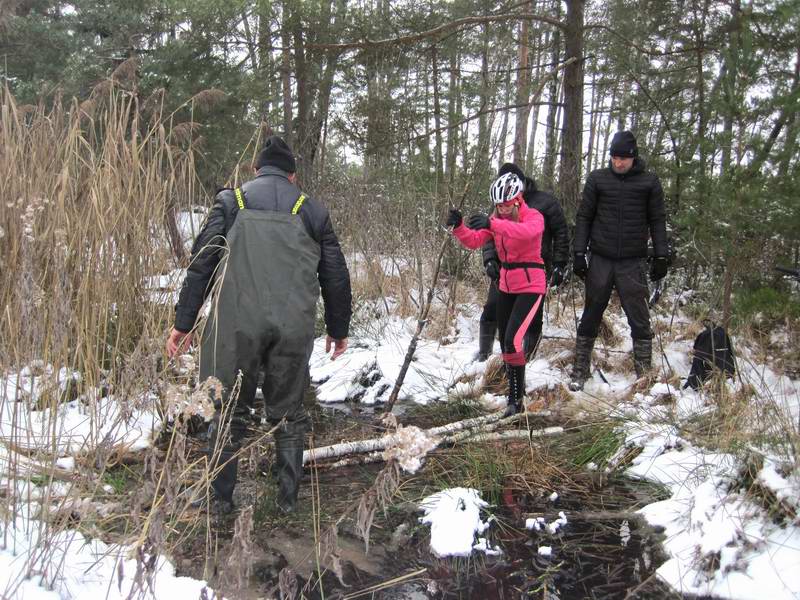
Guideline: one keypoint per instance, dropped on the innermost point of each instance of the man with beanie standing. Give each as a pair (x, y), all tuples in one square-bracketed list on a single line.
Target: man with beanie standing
[(555, 254), (622, 206), (270, 249)]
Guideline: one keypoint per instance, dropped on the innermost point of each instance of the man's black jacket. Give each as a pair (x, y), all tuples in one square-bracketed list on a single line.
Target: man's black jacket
[(555, 239), (619, 210), (270, 190)]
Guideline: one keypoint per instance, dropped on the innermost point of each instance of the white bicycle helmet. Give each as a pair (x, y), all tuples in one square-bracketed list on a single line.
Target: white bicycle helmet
[(506, 188)]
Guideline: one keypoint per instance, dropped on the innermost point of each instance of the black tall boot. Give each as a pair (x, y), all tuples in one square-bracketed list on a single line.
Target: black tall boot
[(486, 340), (223, 461), (583, 358), (642, 356), (516, 389), (289, 443)]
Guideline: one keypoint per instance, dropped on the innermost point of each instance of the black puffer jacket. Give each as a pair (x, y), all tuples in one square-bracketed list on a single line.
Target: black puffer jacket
[(270, 190), (555, 240), (618, 211)]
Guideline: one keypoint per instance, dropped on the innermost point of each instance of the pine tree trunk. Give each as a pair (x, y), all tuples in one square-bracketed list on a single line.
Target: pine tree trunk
[(521, 124), (569, 172), (482, 151), (504, 127), (286, 69), (452, 117), (728, 78), (437, 121), (551, 128), (592, 122)]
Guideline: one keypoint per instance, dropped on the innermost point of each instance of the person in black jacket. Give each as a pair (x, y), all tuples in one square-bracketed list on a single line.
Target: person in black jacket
[(622, 206), (555, 254), (267, 249)]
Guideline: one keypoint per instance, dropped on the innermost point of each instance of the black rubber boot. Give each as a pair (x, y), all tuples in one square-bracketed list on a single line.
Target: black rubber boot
[(583, 358), (223, 465), (642, 357), (486, 340), (289, 445), (516, 389)]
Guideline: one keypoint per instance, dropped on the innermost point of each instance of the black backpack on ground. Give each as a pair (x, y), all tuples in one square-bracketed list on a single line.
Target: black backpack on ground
[(712, 349)]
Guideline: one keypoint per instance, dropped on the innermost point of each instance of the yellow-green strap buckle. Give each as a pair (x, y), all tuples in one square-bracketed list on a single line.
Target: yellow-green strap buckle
[(239, 198), (298, 204)]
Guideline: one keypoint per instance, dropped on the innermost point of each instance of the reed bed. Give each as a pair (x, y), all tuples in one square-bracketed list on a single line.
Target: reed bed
[(88, 201)]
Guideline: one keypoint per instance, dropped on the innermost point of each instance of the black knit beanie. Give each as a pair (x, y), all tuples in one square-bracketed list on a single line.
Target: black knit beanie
[(511, 168), (624, 144), (530, 184), (276, 153)]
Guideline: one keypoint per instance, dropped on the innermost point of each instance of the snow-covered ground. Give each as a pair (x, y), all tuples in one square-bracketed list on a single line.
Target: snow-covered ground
[(720, 539)]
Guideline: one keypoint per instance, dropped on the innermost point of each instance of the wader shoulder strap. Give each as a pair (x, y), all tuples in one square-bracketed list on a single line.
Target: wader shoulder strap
[(298, 204), (239, 198), (240, 201)]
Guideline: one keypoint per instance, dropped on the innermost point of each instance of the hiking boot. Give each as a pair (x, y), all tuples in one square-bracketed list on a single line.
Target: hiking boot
[(642, 357), (583, 358), (516, 390), (486, 341)]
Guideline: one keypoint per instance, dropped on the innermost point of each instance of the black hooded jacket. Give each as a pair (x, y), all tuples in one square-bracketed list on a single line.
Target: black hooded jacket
[(618, 211), (270, 190), (555, 239)]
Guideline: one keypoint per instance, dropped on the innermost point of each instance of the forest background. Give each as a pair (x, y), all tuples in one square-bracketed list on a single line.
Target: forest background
[(398, 110)]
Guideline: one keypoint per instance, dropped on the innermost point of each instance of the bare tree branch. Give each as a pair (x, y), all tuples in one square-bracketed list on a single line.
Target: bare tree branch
[(441, 30)]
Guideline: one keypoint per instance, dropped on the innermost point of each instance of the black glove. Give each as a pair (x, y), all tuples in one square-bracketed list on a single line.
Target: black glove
[(454, 219), (493, 270), (658, 268), (557, 275), (579, 265), (479, 221)]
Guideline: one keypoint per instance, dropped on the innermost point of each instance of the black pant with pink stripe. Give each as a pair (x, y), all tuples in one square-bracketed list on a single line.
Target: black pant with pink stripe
[(515, 314)]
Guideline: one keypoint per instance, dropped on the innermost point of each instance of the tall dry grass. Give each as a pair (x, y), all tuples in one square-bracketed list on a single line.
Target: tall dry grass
[(87, 201)]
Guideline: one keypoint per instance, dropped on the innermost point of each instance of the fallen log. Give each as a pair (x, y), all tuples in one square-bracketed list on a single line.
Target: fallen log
[(514, 434), (476, 429)]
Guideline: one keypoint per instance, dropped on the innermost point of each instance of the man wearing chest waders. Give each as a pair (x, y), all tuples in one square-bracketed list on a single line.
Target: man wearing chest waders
[(272, 248)]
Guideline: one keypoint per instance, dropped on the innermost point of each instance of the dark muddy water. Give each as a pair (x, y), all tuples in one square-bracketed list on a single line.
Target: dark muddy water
[(604, 552)]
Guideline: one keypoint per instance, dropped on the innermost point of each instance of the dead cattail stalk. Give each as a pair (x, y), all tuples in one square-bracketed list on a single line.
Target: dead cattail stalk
[(240, 558), (125, 73), (378, 496), (207, 99)]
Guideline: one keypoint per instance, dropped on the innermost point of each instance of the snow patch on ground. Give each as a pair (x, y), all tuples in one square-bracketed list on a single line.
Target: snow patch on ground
[(455, 518), (39, 565), (37, 562)]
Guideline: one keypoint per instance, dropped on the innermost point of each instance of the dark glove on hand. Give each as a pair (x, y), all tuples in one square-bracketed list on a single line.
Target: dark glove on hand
[(454, 219), (493, 270), (557, 275), (658, 268), (579, 265), (479, 221)]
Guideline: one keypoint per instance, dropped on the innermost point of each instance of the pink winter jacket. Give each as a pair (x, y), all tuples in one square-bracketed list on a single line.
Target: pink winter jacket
[(516, 242)]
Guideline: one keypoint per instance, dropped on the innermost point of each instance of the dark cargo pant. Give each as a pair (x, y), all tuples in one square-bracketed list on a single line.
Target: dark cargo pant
[(629, 278)]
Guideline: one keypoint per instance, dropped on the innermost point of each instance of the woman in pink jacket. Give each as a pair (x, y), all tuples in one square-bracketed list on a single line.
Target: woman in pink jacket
[(517, 232)]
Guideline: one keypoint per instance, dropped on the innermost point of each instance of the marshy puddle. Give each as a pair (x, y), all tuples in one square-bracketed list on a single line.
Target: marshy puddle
[(604, 551)]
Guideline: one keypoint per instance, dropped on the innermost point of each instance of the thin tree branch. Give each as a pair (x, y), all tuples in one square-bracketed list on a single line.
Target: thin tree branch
[(441, 30), (642, 49)]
